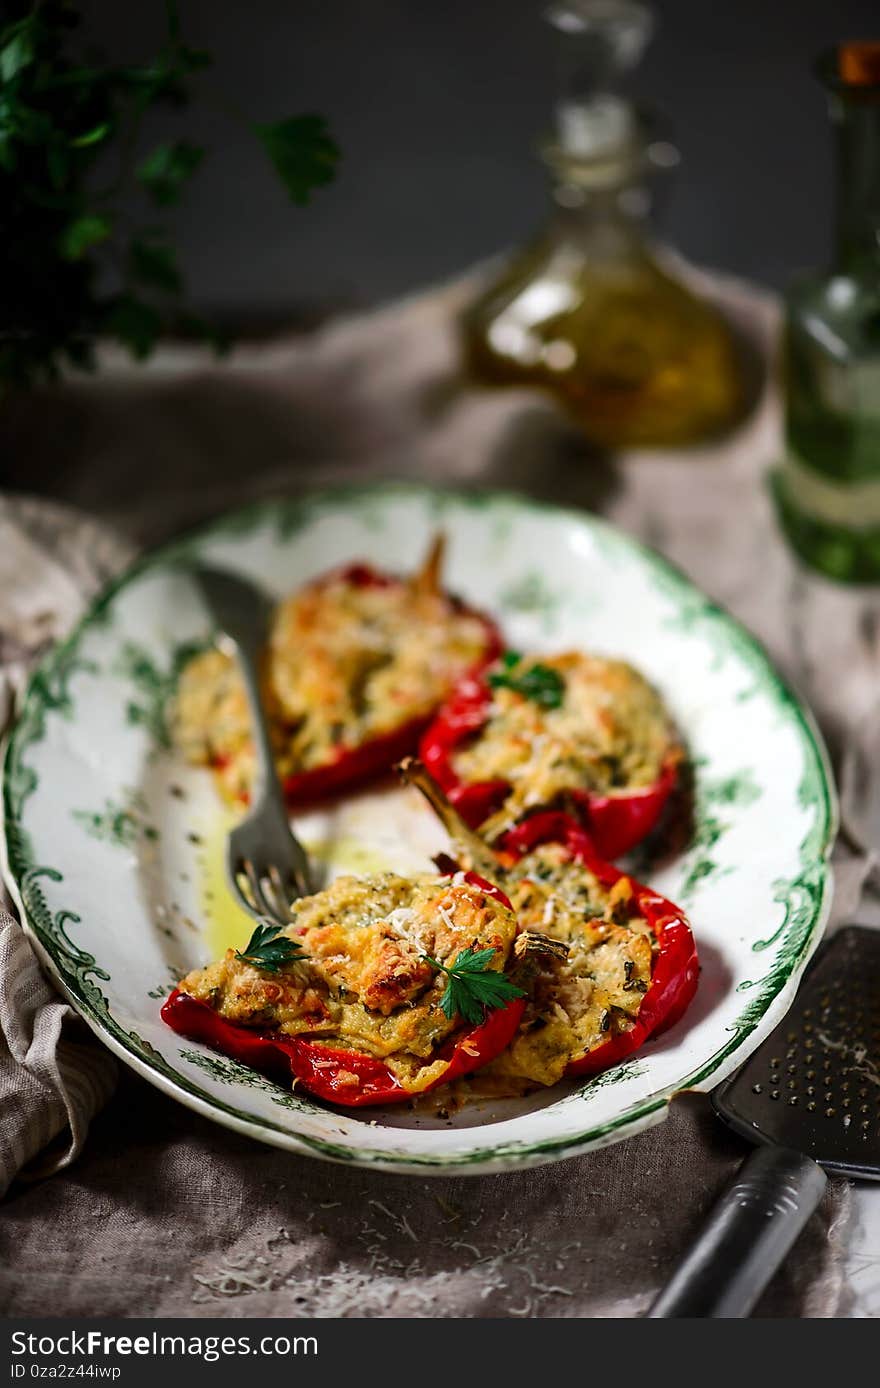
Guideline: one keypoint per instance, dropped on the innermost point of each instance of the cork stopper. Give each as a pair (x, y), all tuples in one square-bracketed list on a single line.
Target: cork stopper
[(858, 63), (599, 43)]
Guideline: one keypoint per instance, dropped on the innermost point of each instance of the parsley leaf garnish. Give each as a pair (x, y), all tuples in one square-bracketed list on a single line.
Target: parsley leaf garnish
[(540, 683), (473, 988), (268, 949)]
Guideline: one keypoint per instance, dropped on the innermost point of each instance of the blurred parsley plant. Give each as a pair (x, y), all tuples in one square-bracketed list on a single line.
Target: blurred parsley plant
[(70, 128)]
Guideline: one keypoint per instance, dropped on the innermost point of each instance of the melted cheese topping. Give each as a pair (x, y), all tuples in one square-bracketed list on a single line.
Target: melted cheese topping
[(573, 1004), (345, 663), (365, 985), (610, 734)]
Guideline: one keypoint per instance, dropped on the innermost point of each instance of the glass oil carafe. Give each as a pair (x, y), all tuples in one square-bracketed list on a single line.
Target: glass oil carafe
[(828, 485), (588, 311)]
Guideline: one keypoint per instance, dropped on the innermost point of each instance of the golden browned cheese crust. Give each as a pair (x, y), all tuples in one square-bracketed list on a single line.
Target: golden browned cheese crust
[(365, 984), (611, 733), (576, 1003), (345, 663)]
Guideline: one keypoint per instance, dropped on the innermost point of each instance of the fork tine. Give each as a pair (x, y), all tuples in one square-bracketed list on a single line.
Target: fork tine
[(235, 887), (282, 894), (276, 909), (298, 876), (262, 904)]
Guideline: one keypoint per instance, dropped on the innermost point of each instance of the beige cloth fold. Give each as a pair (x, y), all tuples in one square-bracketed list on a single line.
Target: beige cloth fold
[(54, 1076), (196, 1220)]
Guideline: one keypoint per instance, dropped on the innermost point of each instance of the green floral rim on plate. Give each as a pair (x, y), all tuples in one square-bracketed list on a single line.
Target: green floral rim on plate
[(537, 585)]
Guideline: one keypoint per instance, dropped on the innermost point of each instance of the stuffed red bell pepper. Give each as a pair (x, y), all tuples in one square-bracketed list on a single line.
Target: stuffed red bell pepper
[(356, 664), (381, 989), (618, 962), (573, 730)]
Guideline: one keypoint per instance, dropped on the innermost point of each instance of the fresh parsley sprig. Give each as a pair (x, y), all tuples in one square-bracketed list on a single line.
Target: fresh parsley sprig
[(269, 950), (473, 988), (540, 683)]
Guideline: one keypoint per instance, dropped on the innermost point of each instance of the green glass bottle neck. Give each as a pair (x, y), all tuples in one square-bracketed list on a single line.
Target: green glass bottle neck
[(857, 129)]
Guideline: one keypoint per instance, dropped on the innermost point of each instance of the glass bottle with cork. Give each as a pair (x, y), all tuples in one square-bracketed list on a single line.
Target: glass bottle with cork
[(827, 487), (589, 311)]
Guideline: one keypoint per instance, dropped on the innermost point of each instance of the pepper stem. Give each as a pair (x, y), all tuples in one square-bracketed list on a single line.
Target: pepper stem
[(426, 582), (482, 859)]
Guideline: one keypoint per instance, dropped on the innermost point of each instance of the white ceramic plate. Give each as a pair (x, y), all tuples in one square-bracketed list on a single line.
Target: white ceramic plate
[(113, 846)]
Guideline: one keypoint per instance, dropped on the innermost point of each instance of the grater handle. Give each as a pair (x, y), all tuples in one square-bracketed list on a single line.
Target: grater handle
[(745, 1238)]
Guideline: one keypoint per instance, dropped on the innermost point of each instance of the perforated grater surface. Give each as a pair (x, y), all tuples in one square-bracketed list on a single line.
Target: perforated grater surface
[(814, 1084), (810, 1096)]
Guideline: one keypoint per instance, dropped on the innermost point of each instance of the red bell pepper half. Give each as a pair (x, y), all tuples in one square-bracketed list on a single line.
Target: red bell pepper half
[(353, 766), (615, 823), (675, 970), (349, 1078)]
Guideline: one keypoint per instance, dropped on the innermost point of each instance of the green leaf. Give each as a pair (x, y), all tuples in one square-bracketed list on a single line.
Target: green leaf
[(153, 263), (540, 683), (302, 151), (165, 171), (271, 951), (17, 52), (135, 323), (93, 136), (473, 986), (83, 233)]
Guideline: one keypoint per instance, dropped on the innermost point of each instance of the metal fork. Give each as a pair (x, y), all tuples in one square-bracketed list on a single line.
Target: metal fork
[(266, 865)]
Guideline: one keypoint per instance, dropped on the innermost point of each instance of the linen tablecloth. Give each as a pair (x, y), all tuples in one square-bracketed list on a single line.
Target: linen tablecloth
[(164, 1213), (53, 1078)]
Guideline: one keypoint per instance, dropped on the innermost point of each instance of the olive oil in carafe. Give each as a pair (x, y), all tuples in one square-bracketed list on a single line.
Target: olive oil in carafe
[(632, 353), (589, 311)]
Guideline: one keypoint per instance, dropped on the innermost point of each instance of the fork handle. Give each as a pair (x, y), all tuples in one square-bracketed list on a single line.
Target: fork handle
[(268, 796), (267, 787)]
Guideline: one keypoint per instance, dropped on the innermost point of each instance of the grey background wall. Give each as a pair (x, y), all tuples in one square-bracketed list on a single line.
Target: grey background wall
[(437, 107)]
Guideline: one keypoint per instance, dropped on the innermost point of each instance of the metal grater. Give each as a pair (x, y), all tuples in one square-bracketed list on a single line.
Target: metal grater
[(810, 1097), (814, 1084)]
